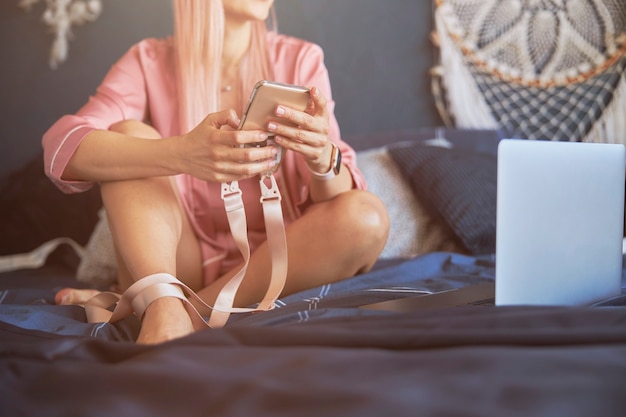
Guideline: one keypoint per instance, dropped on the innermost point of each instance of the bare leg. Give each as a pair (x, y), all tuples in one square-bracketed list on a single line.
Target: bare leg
[(354, 229), (152, 235), (331, 241)]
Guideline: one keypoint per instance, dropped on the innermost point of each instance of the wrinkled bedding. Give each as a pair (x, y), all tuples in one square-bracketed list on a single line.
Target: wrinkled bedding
[(319, 354)]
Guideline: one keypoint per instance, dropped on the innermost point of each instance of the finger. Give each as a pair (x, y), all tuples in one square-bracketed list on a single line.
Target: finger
[(314, 118), (252, 153), (228, 163), (232, 171), (240, 138), (293, 124), (250, 138), (310, 148), (299, 134), (319, 102), (223, 118), (243, 146), (289, 115)]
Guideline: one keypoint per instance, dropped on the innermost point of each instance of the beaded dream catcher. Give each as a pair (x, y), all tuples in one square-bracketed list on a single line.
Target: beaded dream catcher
[(536, 69)]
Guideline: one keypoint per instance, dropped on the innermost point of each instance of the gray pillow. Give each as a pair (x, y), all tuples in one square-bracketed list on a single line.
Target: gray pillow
[(457, 185), (413, 230)]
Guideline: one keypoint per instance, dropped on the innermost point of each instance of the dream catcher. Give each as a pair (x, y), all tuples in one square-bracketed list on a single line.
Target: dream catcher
[(60, 16), (536, 69)]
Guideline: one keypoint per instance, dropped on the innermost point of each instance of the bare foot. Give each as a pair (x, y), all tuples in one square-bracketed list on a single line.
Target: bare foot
[(73, 296), (165, 319)]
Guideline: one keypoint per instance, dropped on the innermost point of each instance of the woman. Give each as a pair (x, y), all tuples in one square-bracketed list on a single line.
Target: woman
[(146, 138)]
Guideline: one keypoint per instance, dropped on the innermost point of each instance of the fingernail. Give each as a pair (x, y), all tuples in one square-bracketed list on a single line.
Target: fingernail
[(280, 111), (263, 135), (271, 126)]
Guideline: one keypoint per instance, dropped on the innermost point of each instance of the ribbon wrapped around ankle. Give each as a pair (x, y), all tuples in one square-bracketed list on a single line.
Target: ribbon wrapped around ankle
[(142, 293)]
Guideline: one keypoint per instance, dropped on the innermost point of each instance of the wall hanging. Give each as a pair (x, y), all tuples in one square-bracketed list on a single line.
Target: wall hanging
[(537, 69), (60, 16)]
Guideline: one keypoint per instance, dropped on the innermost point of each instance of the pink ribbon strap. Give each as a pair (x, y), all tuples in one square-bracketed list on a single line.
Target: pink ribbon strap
[(275, 229), (142, 293)]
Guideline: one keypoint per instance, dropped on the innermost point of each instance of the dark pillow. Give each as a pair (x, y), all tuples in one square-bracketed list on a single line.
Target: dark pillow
[(457, 185), (33, 210)]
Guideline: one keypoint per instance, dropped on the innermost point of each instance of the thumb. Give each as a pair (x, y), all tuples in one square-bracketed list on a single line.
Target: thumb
[(223, 118)]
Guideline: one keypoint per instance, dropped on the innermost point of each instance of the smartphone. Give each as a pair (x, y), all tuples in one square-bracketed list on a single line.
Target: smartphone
[(261, 107), (265, 97)]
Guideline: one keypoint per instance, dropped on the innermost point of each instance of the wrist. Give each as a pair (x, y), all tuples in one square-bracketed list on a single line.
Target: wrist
[(334, 166), (174, 150)]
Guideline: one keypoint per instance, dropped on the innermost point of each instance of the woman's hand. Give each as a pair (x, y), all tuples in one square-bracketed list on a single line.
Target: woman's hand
[(214, 150), (309, 136)]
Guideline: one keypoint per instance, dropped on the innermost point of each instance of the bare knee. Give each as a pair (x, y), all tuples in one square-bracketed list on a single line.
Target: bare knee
[(368, 216), (135, 128), (364, 219), (151, 187)]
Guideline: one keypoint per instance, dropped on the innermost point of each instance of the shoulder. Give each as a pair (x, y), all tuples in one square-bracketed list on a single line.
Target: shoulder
[(293, 57), (148, 58), (153, 49), (280, 41), (146, 52), (285, 46)]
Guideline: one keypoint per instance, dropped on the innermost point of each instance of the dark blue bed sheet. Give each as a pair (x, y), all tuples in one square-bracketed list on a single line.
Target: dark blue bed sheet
[(318, 355), (27, 296)]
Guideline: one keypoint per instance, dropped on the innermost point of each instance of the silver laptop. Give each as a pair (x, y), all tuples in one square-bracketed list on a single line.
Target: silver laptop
[(559, 228), (559, 231)]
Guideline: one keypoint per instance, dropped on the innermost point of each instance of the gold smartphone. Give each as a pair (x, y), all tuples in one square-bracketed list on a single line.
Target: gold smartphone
[(261, 107), (264, 99)]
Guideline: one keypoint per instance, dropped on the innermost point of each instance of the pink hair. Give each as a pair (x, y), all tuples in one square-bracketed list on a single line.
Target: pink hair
[(198, 40)]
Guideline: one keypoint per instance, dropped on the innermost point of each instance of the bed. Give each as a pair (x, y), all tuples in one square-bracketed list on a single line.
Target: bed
[(319, 352)]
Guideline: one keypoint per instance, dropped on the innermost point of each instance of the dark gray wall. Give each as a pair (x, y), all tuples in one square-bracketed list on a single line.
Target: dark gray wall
[(378, 55)]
